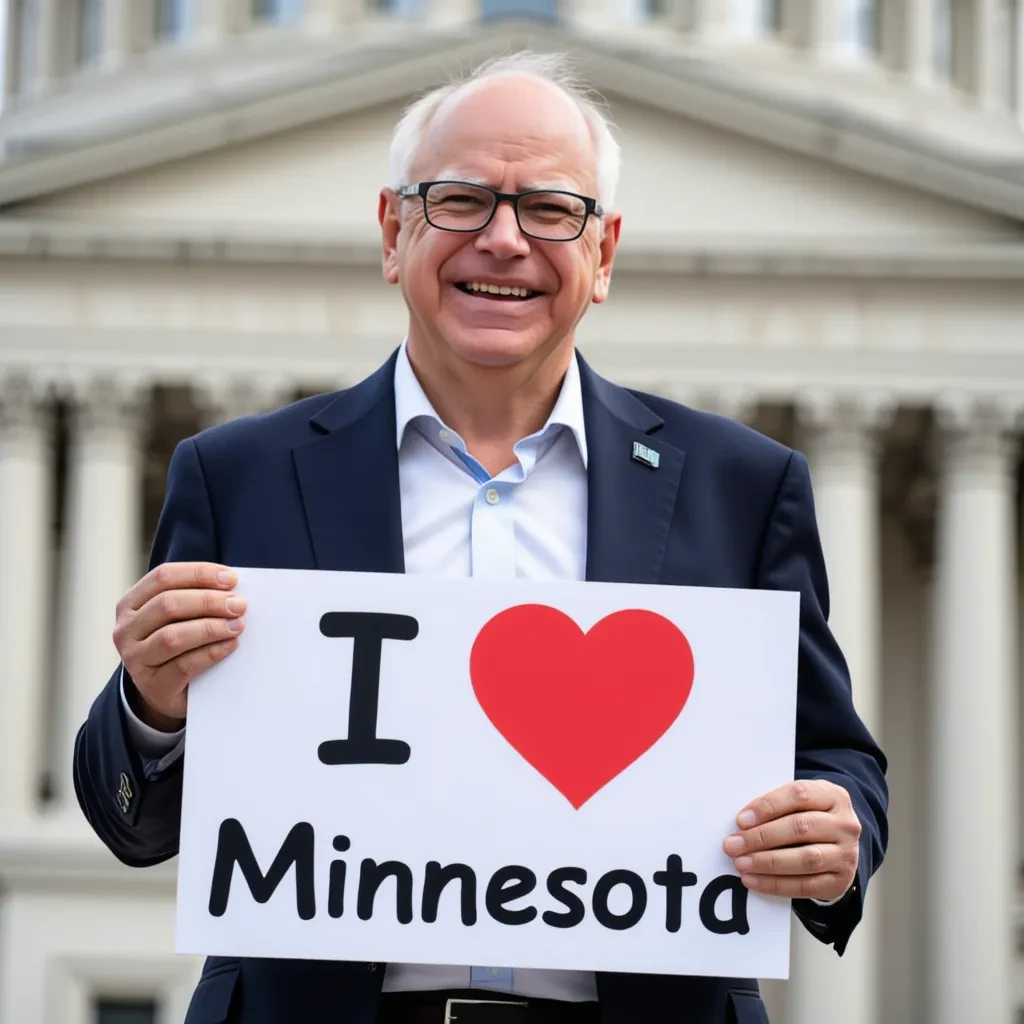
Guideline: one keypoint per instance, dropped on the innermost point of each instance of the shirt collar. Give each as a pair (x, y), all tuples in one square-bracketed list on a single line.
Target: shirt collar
[(411, 403)]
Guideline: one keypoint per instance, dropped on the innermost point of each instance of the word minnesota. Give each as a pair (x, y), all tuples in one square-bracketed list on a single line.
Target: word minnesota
[(507, 885)]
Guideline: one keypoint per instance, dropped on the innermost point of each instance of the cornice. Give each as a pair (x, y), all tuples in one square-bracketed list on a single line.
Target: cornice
[(731, 379), (670, 77), (42, 855), (683, 255)]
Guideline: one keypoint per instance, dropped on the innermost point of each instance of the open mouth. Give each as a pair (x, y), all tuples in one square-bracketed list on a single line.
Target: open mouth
[(499, 292)]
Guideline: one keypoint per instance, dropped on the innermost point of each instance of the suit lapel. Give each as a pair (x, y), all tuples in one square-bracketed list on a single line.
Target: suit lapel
[(630, 504), (348, 478)]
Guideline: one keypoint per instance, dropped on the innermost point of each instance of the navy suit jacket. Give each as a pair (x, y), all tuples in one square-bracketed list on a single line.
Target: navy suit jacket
[(315, 486)]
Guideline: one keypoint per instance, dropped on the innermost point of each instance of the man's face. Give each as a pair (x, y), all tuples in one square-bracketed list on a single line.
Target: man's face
[(512, 133)]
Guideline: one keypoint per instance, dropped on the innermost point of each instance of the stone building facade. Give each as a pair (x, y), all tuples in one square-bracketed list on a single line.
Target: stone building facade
[(824, 236)]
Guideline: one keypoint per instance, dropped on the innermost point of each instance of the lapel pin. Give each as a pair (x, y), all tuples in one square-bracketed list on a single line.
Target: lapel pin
[(648, 456)]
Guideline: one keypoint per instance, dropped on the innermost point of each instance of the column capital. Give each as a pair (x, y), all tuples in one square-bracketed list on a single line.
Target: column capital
[(844, 422), (734, 401), (977, 430), (23, 401), (230, 396), (108, 403)]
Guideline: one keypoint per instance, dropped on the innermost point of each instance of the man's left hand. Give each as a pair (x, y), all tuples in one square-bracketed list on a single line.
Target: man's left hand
[(801, 840)]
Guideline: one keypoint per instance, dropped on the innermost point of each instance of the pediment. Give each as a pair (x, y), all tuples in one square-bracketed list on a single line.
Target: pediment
[(681, 177)]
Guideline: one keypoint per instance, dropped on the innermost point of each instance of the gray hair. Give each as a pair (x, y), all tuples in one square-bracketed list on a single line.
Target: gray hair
[(554, 68)]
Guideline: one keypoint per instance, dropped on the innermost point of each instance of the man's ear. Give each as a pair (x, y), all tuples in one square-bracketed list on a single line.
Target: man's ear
[(609, 240), (390, 224)]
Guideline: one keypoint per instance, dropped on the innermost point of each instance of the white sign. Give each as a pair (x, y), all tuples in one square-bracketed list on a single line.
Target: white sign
[(491, 773)]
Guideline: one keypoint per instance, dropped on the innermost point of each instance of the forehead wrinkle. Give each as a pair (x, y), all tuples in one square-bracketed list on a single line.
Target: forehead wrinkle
[(551, 184)]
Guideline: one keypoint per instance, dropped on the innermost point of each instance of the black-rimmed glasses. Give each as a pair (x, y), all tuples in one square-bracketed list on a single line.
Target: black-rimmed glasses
[(548, 215)]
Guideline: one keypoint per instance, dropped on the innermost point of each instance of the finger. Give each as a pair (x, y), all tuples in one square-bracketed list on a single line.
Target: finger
[(810, 887), (803, 795), (175, 676), (815, 859), (794, 830), (171, 642), (180, 606), (179, 576)]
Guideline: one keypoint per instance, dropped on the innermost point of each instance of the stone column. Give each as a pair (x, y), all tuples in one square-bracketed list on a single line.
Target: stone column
[(321, 17), (45, 41), (918, 39), (985, 41), (841, 441), (822, 30), (1017, 68), (120, 33), (711, 20), (973, 806), (8, 78), (25, 619), (218, 20), (101, 551)]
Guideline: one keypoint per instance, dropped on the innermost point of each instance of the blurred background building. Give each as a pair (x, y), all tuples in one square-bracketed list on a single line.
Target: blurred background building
[(824, 236)]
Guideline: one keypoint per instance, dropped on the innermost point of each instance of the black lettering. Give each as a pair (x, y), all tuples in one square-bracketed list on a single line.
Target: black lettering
[(371, 875), (737, 922), (368, 630), (434, 881), (233, 848), (508, 884), (575, 911), (605, 884), (675, 879), (336, 884)]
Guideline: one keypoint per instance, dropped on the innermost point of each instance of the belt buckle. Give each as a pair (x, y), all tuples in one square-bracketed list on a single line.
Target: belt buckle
[(449, 1016)]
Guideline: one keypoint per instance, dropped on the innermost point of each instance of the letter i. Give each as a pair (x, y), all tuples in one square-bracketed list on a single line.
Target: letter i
[(336, 886)]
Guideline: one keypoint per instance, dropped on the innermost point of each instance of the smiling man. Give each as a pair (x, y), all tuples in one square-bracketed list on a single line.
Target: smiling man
[(487, 447)]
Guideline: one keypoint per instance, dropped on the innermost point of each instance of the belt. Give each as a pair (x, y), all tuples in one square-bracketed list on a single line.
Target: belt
[(480, 1007)]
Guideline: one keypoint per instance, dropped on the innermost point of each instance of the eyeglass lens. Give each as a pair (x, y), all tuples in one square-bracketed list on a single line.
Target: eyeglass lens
[(461, 207)]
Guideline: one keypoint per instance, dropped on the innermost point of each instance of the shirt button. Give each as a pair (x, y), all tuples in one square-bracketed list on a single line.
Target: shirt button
[(492, 496), (446, 436)]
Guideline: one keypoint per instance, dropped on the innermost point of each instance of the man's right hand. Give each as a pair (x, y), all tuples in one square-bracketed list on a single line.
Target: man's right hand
[(177, 621)]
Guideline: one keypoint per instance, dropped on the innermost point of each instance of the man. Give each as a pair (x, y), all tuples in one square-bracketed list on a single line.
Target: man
[(485, 446)]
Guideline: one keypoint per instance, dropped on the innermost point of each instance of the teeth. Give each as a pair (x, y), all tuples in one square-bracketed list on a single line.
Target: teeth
[(498, 289)]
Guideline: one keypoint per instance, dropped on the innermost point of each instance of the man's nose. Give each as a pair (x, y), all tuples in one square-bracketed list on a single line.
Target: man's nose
[(502, 236)]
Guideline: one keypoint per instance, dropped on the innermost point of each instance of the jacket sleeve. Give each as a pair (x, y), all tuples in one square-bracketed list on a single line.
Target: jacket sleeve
[(134, 806), (831, 740)]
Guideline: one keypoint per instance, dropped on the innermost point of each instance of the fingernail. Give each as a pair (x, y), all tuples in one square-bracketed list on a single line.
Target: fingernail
[(225, 578), (235, 625), (744, 863), (745, 819), (751, 881), (734, 844), (235, 605)]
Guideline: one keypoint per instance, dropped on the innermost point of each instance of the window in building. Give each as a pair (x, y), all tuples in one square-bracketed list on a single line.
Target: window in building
[(25, 29), (398, 8), (90, 31), (654, 9), (755, 19), (171, 19), (277, 12), (859, 27), (124, 1011), (534, 10)]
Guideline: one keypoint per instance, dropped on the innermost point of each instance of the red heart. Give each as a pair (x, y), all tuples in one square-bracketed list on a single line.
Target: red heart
[(580, 707)]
